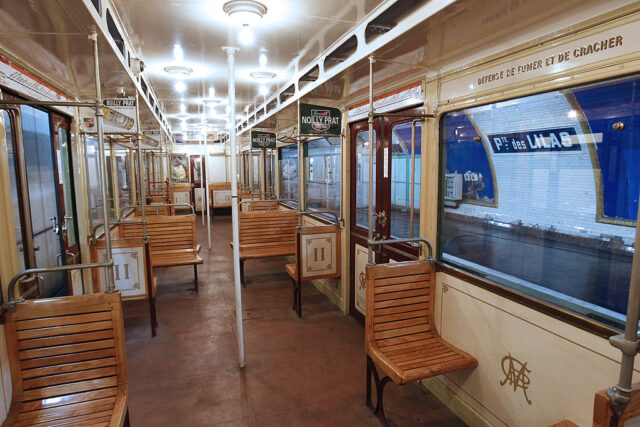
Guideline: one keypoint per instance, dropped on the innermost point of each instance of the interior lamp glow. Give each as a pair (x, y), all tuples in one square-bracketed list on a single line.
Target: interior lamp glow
[(178, 53), (212, 92), (263, 90), (245, 36), (244, 11), (180, 86), (263, 59)]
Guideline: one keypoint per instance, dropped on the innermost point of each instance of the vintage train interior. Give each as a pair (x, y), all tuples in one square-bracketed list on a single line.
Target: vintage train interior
[(327, 213)]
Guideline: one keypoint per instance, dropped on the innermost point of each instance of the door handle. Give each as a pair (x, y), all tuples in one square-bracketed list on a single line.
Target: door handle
[(65, 224), (381, 217), (56, 228)]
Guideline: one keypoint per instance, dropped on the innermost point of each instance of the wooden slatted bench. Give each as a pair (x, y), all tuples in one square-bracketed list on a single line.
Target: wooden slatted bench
[(172, 238), (401, 337), (68, 362), (264, 234)]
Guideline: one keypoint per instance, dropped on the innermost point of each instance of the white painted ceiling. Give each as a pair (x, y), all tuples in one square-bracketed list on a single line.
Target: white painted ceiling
[(292, 34)]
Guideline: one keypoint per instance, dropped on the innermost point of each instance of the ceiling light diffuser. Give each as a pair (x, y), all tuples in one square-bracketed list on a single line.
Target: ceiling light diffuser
[(180, 86), (262, 76), (178, 54), (263, 90), (244, 11), (178, 71)]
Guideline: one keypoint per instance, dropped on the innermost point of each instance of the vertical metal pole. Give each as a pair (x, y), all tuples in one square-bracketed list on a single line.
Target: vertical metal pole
[(234, 202), (103, 163), (628, 342), (301, 173), (201, 177), (413, 175), (371, 141), (206, 198), (143, 197)]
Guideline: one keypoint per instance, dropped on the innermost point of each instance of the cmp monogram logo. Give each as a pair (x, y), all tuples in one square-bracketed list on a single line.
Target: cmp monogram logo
[(516, 375)]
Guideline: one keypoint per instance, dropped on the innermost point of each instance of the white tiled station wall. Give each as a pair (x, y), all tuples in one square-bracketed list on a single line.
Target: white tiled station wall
[(546, 190)]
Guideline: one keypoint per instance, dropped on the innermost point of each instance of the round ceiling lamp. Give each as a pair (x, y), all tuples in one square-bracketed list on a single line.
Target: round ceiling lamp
[(244, 11), (262, 75), (178, 70)]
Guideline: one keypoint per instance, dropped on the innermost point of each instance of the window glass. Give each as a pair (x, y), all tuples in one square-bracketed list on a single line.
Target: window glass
[(94, 193), (401, 181), (541, 194), (362, 178), (122, 172), (66, 177), (13, 178), (323, 174), (289, 172), (255, 164)]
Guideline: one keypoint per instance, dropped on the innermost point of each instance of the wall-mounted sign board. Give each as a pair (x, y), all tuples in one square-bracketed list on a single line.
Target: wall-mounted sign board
[(119, 116), (318, 120), (260, 139)]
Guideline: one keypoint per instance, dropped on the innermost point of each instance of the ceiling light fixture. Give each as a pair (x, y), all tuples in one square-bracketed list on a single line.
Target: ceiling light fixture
[(212, 92), (245, 36), (180, 86), (263, 59), (263, 90), (183, 108), (244, 11), (262, 76), (179, 71)]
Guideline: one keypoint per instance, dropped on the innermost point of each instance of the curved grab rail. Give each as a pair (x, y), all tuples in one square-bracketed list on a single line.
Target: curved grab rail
[(319, 211), (11, 304), (414, 241)]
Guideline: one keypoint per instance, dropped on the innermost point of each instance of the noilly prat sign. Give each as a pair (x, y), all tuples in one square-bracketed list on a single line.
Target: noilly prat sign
[(260, 139), (319, 120)]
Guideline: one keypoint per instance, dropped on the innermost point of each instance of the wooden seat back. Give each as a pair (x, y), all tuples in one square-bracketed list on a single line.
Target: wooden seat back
[(268, 228), (603, 414), (318, 252), (155, 210), (400, 334), (69, 348), (166, 233)]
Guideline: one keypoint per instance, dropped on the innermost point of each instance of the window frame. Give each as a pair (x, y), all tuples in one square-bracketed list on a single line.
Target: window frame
[(580, 321)]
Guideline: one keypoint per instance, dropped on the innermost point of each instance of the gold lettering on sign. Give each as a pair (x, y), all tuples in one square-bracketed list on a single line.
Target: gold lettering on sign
[(515, 373)]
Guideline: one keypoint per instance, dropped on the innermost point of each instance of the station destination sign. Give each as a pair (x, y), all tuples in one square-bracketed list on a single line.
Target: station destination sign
[(535, 141), (260, 139), (319, 120)]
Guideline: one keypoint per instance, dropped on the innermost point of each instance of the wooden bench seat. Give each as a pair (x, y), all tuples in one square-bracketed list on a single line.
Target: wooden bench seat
[(264, 234), (172, 239), (401, 338), (68, 362)]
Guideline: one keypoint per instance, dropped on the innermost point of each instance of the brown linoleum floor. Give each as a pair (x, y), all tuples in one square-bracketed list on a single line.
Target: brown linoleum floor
[(299, 372)]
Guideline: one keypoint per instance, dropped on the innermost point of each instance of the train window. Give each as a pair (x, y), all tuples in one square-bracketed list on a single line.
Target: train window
[(13, 177), (96, 4), (362, 178), (564, 165), (115, 34), (322, 183), (92, 166), (400, 220), (255, 165), (66, 178), (289, 172), (123, 160)]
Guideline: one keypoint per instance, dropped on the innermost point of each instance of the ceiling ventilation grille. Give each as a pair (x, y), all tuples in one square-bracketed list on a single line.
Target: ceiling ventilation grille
[(388, 19), (341, 53)]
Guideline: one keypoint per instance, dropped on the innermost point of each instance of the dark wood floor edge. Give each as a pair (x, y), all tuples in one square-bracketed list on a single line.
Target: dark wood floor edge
[(573, 319)]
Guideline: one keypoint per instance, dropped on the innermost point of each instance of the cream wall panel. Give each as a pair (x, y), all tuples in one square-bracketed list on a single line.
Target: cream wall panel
[(565, 364)]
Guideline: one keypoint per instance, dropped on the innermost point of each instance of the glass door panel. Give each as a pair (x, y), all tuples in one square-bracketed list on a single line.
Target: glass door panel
[(43, 197), (402, 223), (13, 176), (362, 178)]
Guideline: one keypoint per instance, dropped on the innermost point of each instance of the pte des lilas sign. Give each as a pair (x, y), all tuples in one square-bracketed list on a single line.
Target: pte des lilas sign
[(535, 141), (260, 139), (318, 120)]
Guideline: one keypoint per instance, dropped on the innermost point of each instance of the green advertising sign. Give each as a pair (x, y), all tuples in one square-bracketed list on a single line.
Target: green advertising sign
[(319, 120), (260, 139)]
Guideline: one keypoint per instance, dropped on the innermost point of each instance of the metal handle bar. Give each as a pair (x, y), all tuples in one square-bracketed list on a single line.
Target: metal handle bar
[(319, 211), (11, 305), (414, 241), (266, 201)]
